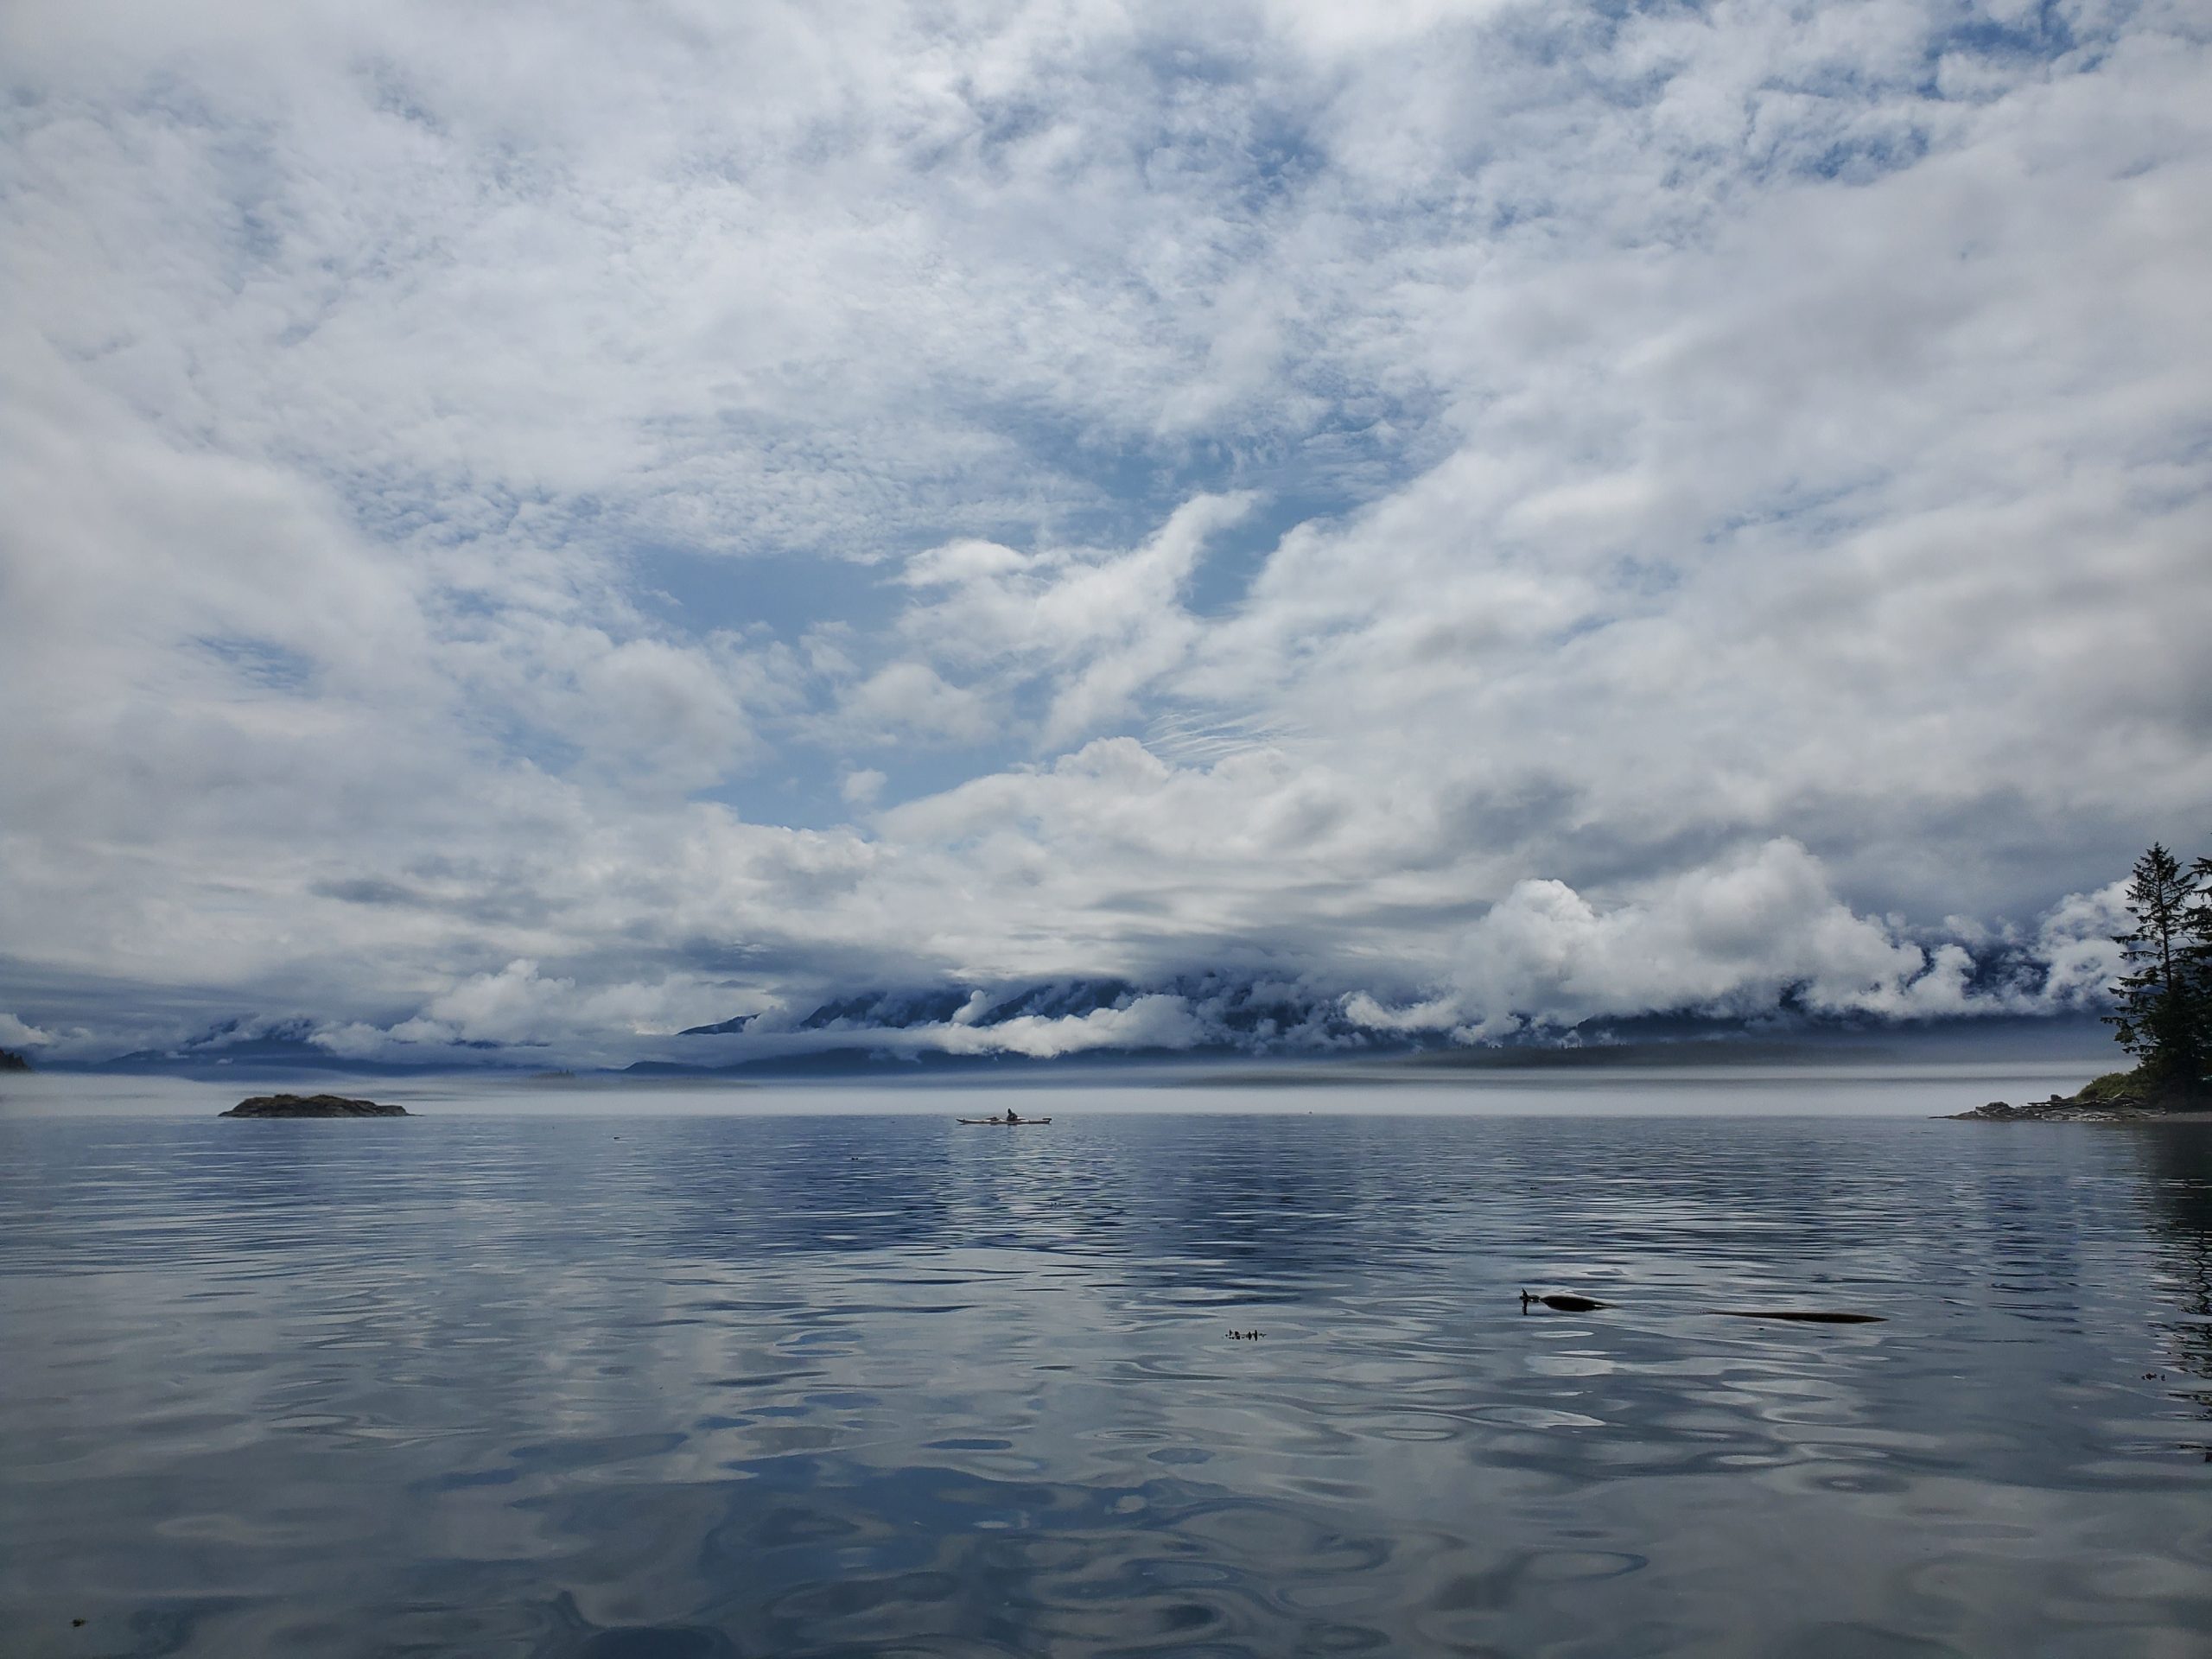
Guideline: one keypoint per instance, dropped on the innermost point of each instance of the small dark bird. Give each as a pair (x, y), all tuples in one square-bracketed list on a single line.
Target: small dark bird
[(1563, 1304)]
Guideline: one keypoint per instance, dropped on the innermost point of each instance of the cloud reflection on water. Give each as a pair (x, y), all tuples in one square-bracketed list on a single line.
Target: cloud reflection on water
[(839, 1385)]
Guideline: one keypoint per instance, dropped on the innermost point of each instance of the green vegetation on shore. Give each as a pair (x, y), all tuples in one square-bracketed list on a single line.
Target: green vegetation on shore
[(2114, 1088), (2165, 1013)]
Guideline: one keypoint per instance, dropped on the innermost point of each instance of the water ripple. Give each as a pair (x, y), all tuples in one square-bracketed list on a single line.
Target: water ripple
[(741, 1385)]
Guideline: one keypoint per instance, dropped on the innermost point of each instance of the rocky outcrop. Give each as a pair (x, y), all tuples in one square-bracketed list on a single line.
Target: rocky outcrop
[(313, 1106), (2059, 1108), (11, 1061), (2116, 1097)]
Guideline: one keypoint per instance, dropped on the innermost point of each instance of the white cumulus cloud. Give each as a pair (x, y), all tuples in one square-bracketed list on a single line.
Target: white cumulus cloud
[(1517, 511)]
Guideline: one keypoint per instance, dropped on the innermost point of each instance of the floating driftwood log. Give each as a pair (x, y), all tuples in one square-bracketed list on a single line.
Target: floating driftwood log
[(1571, 1304)]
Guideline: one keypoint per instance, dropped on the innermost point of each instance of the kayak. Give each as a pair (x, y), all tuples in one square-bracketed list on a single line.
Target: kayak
[(1019, 1124)]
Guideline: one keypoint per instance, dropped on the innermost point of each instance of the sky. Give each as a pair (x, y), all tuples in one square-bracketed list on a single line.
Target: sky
[(547, 525)]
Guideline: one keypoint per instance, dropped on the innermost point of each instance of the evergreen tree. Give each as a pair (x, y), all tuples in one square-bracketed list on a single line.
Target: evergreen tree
[(2197, 961), (2161, 1015)]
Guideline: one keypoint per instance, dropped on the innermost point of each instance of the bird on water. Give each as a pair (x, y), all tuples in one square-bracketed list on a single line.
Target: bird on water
[(1564, 1304)]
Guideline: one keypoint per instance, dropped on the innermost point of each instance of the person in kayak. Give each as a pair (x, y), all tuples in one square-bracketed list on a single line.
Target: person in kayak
[(1012, 1116)]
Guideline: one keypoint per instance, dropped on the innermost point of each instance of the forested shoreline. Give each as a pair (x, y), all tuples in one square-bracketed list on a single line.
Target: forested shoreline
[(2163, 1014)]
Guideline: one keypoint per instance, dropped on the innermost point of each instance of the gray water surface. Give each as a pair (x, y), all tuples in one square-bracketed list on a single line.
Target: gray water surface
[(711, 1385)]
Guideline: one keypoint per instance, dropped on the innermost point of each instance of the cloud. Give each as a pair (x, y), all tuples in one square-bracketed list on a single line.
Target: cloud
[(14, 1034), (1148, 1022), (911, 699), (1419, 502), (1753, 936), (1090, 630), (2078, 939), (1757, 938), (517, 1006), (1731, 939)]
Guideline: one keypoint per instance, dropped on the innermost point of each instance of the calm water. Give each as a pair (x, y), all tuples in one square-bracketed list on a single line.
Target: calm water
[(649, 1386)]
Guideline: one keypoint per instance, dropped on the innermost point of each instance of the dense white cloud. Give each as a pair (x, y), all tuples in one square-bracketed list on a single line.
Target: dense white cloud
[(1156, 1021), (1738, 939), (519, 1006), (14, 1034), (1095, 628), (1498, 512)]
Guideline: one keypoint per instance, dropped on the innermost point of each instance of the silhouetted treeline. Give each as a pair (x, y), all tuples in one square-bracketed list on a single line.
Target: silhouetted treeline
[(2165, 1017)]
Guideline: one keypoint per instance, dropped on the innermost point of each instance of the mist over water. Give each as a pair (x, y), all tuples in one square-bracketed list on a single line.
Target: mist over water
[(660, 1384)]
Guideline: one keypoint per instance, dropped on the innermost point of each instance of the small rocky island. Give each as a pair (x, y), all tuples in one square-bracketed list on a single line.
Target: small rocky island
[(313, 1106), (2161, 1009), (2116, 1097)]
